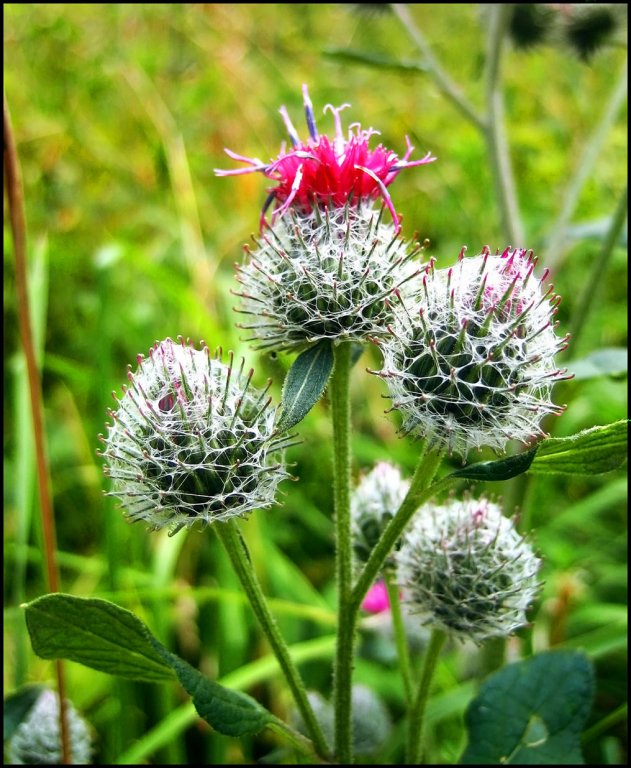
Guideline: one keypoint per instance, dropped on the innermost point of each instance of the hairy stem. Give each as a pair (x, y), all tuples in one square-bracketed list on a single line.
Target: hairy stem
[(234, 545), (296, 738), (400, 637), (347, 619), (417, 715)]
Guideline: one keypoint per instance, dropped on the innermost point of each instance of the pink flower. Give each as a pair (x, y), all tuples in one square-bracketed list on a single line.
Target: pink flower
[(328, 172), (376, 600)]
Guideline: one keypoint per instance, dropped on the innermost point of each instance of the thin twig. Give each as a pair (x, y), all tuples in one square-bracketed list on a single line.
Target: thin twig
[(15, 200), (599, 267), (556, 246), (492, 125), (431, 64)]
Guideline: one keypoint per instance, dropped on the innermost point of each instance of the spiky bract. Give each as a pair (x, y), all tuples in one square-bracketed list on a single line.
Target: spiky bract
[(471, 364), (465, 569), (325, 275), (192, 440)]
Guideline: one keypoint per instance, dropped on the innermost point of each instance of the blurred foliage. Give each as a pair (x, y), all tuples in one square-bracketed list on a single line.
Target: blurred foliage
[(121, 112)]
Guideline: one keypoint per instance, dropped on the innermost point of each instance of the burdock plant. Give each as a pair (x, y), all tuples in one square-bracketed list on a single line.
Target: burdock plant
[(469, 363), (468, 353)]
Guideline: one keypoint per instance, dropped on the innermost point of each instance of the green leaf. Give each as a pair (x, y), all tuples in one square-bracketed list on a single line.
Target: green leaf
[(531, 712), (103, 636), (305, 382), (371, 59), (590, 452), (229, 712), (17, 705), (95, 633), (610, 361), (503, 469)]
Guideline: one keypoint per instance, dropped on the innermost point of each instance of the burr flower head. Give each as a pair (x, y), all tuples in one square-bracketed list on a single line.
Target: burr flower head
[(473, 364), (332, 274), (327, 172), (37, 740), (463, 568), (192, 440), (373, 504)]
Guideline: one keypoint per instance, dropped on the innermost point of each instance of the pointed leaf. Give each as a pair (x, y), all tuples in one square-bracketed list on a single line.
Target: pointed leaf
[(305, 382), (372, 59), (503, 469), (104, 636), (590, 452), (95, 633), (229, 712), (531, 712)]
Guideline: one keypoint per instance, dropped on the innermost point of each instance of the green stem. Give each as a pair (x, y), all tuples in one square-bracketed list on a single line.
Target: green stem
[(347, 619), (400, 637), (417, 715), (598, 270), (420, 490), (234, 545), (613, 718)]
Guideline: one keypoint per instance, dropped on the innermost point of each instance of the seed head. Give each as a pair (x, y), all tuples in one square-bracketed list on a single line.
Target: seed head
[(373, 504), (463, 568), (473, 365), (37, 740), (192, 440)]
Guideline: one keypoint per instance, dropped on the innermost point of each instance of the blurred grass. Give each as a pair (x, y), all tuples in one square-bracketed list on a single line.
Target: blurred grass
[(121, 113)]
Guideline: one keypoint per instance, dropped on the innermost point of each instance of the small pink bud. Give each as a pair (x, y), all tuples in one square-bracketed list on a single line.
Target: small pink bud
[(376, 600)]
